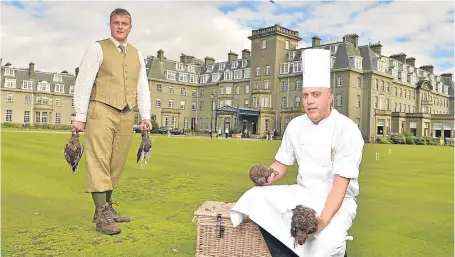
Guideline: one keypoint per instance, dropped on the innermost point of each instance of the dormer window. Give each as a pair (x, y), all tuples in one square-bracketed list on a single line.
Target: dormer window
[(9, 72), (58, 78), (59, 88), (297, 67), (215, 77), (210, 68), (170, 75), (43, 86), (357, 61), (244, 63), (221, 66), (234, 64), (179, 66), (27, 85), (191, 68), (291, 56), (10, 83), (227, 75)]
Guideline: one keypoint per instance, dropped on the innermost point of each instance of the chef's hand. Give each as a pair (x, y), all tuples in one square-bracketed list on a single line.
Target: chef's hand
[(322, 223), (78, 126), (146, 125)]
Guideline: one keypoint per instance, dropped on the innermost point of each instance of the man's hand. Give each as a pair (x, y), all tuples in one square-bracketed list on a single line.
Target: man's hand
[(280, 170), (322, 223), (78, 126), (146, 125)]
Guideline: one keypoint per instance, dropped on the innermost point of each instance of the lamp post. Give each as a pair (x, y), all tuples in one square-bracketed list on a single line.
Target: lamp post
[(211, 116)]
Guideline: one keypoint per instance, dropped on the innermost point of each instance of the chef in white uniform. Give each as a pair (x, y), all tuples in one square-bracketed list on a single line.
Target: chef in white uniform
[(328, 149)]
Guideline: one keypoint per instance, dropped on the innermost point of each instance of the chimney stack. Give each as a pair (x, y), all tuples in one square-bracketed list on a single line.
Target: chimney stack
[(160, 55), (209, 60), (353, 38), (428, 68), (246, 54), (315, 41), (411, 61), (184, 58), (400, 57), (377, 48), (31, 70), (232, 56), (447, 75)]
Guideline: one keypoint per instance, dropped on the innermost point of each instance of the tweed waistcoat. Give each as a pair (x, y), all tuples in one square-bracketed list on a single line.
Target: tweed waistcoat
[(118, 76)]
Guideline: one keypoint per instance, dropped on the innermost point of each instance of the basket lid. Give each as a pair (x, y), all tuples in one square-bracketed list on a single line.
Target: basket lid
[(214, 208)]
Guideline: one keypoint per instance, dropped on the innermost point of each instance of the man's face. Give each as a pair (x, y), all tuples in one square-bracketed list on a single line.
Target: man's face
[(316, 102), (120, 27)]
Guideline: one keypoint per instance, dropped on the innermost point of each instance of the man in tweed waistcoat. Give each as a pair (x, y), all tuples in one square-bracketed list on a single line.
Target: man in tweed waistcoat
[(111, 82)]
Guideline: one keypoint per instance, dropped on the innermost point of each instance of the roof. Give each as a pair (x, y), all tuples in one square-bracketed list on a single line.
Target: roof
[(21, 74), (157, 69)]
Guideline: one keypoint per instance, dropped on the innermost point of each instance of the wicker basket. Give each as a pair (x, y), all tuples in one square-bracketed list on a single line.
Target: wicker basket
[(216, 237)]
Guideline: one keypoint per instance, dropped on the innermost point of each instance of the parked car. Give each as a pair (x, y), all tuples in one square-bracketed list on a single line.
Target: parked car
[(163, 130), (175, 131)]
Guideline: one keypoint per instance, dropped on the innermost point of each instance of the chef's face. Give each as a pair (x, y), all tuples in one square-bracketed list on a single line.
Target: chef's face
[(316, 102)]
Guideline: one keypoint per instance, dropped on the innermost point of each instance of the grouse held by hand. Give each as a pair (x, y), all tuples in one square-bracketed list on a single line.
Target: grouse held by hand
[(260, 174), (145, 149), (73, 151), (303, 223)]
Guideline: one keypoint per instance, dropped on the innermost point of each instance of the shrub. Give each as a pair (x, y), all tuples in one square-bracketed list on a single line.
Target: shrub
[(383, 140), (398, 139), (420, 141), (410, 140)]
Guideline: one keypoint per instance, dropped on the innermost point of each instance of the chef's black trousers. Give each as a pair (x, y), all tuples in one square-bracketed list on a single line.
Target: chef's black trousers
[(276, 248)]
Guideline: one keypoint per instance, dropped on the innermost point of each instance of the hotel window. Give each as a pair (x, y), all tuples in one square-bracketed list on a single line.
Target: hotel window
[(9, 116), (26, 116), (339, 100)]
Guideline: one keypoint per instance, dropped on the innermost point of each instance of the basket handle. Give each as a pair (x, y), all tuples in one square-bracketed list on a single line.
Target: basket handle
[(219, 227)]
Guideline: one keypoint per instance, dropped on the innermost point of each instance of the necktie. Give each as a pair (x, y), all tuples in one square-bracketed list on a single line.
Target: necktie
[(122, 50)]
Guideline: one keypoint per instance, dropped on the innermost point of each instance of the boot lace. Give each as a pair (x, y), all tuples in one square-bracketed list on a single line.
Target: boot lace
[(107, 216)]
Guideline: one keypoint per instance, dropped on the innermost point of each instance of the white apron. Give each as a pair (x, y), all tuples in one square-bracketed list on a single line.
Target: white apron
[(270, 206)]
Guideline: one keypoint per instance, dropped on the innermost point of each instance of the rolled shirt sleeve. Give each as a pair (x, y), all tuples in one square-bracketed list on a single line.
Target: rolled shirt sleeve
[(143, 91), (285, 153), (348, 153)]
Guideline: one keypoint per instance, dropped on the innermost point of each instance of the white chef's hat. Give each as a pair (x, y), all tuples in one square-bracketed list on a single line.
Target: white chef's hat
[(316, 68)]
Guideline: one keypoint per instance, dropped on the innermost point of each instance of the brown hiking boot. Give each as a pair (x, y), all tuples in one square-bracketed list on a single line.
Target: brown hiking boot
[(104, 220), (117, 217)]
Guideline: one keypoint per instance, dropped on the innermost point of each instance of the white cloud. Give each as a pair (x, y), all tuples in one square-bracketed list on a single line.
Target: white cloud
[(58, 40)]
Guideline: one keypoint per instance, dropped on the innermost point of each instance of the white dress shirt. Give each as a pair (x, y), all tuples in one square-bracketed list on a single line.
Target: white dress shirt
[(88, 69)]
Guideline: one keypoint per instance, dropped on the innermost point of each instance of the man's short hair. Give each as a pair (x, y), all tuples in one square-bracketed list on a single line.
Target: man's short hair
[(119, 11)]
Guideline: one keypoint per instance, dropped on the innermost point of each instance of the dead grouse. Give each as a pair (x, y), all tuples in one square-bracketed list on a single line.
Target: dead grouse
[(260, 174), (73, 151), (145, 149), (303, 222)]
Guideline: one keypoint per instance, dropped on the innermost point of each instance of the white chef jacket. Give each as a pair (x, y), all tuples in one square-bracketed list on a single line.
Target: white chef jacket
[(333, 147)]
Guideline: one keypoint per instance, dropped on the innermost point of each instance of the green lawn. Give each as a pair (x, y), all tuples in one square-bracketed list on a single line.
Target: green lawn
[(405, 203)]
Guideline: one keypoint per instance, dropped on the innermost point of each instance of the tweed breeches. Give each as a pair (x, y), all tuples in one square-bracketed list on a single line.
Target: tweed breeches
[(108, 134)]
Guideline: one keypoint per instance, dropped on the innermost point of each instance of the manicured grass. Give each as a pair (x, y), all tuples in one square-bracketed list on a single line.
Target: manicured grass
[(405, 202)]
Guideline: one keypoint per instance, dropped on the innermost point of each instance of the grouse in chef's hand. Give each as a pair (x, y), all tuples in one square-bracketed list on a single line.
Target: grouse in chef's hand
[(260, 174), (73, 150), (303, 223), (145, 149)]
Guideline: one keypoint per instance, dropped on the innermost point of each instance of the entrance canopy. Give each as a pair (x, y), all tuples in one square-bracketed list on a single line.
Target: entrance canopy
[(241, 111)]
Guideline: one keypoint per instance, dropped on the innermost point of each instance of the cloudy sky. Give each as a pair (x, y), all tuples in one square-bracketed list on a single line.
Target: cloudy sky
[(54, 35)]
